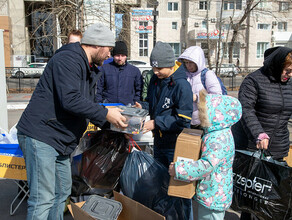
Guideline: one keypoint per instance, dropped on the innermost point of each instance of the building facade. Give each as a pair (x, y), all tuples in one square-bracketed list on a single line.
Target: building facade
[(188, 23), (181, 23)]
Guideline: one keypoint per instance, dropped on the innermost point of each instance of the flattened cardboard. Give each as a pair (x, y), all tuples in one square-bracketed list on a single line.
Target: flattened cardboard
[(288, 159), (188, 145), (12, 168), (132, 210)]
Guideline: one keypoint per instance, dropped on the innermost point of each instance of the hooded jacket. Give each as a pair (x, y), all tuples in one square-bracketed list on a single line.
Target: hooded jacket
[(214, 169), (63, 101), (196, 55), (119, 84), (267, 103), (170, 106)]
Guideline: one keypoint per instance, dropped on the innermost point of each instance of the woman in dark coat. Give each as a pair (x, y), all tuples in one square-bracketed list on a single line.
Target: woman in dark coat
[(266, 98)]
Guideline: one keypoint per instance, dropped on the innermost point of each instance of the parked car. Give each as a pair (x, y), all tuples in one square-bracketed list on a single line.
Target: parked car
[(228, 69), (143, 66), (32, 70)]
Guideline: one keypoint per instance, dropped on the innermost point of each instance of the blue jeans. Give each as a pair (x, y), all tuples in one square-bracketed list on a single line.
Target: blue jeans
[(48, 177), (207, 214), (165, 156)]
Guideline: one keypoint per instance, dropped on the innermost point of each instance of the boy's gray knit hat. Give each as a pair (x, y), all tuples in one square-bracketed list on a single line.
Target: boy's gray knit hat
[(162, 55), (98, 35)]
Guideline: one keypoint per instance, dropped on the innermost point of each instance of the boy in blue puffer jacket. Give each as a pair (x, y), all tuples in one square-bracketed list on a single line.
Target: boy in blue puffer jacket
[(170, 104), (213, 171)]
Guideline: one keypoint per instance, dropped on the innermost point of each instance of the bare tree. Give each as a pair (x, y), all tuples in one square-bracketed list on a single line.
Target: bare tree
[(237, 26)]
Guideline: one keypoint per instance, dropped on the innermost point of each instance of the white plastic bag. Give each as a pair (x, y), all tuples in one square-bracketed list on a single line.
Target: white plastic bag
[(9, 138)]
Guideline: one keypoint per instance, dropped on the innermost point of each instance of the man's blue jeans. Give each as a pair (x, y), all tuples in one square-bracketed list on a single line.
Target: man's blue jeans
[(49, 179), (165, 156)]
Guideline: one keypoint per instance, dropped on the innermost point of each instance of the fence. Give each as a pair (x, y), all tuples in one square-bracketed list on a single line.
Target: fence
[(26, 82)]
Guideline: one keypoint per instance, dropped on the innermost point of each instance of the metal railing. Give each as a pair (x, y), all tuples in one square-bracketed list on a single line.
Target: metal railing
[(22, 79), (26, 83)]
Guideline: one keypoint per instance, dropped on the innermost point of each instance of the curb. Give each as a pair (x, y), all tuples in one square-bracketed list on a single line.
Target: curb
[(16, 106)]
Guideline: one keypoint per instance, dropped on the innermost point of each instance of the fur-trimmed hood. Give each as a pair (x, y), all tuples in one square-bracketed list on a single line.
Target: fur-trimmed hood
[(217, 112)]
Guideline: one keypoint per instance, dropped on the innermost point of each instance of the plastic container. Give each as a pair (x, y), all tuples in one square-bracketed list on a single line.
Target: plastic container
[(102, 208), (135, 120)]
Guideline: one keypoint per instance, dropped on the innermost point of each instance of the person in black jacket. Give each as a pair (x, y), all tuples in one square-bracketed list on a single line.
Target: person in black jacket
[(120, 81), (57, 116), (266, 98), (170, 104)]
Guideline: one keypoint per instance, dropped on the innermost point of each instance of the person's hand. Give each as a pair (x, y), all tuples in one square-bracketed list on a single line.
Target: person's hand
[(137, 105), (263, 144), (148, 126), (171, 169), (115, 117), (194, 97)]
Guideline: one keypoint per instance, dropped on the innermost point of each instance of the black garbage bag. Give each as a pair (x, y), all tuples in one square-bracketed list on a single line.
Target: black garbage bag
[(145, 180), (101, 163), (260, 186)]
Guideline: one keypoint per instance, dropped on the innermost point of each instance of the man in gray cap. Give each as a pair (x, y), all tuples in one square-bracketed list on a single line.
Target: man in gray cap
[(170, 104), (56, 117)]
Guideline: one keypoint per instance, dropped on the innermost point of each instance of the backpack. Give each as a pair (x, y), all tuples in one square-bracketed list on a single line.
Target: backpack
[(203, 79)]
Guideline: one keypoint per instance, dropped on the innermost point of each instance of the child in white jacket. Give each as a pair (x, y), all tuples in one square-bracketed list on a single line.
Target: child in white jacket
[(194, 60)]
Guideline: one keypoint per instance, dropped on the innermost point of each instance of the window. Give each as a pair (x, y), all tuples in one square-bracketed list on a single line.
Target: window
[(204, 24), (282, 26), (261, 47), (264, 26), (204, 46), (232, 4), (176, 48), (172, 6), (203, 5), (283, 6), (235, 52), (262, 4), (226, 27), (143, 45), (174, 25)]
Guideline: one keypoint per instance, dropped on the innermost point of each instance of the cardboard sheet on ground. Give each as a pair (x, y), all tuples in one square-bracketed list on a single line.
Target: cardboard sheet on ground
[(132, 210)]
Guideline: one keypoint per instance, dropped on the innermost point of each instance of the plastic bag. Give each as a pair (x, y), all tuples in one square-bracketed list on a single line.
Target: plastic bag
[(145, 180), (261, 187), (9, 137), (100, 164)]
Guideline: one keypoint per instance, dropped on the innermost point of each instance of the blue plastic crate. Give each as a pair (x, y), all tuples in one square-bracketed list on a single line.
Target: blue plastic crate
[(11, 150)]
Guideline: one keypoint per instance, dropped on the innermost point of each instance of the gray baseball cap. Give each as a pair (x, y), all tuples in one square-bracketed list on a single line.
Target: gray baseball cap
[(98, 35)]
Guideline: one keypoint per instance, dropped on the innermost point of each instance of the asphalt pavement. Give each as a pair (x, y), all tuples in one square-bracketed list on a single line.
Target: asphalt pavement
[(16, 103)]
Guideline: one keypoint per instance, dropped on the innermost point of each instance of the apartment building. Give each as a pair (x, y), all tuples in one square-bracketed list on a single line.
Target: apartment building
[(187, 23), (181, 23)]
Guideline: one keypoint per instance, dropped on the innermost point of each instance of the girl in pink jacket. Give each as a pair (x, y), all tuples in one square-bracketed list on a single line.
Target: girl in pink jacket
[(194, 60)]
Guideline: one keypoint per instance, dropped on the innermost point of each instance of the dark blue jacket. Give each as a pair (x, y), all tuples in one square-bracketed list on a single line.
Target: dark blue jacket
[(119, 84), (170, 106), (63, 101)]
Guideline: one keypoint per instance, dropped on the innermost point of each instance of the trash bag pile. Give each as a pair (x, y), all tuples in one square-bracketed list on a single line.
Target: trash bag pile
[(145, 180), (99, 166)]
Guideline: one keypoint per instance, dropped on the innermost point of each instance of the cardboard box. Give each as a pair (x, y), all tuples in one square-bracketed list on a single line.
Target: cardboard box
[(188, 145), (132, 210), (288, 159)]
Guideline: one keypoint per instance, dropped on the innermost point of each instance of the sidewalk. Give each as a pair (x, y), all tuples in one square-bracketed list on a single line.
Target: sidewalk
[(17, 100), (22, 99)]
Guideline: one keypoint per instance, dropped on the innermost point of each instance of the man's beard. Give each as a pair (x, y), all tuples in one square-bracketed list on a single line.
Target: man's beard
[(98, 60), (120, 63)]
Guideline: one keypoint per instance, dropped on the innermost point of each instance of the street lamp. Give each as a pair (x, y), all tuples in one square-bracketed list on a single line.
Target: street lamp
[(155, 14)]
